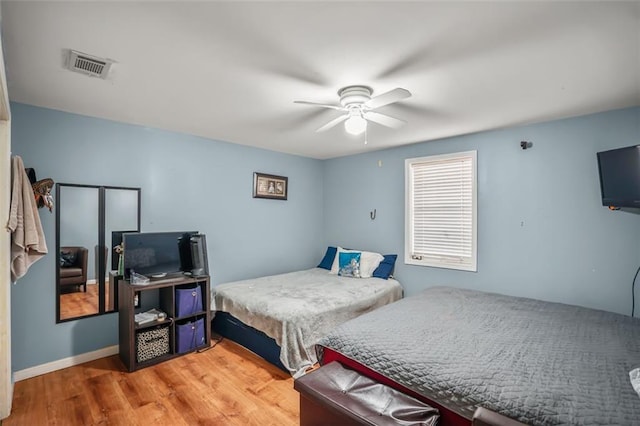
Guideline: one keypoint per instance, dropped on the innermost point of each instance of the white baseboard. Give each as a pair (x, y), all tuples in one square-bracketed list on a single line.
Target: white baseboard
[(30, 372)]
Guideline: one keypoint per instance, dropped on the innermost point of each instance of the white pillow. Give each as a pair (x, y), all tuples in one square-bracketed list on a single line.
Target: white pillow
[(369, 261)]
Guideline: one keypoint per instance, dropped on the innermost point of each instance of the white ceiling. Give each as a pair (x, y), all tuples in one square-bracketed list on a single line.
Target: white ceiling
[(230, 71)]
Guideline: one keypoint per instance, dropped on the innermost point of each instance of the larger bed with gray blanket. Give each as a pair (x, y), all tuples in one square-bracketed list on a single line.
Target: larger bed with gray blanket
[(533, 361), (298, 308)]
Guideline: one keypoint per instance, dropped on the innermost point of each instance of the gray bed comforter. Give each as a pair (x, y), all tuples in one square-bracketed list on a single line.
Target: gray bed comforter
[(298, 308), (537, 362)]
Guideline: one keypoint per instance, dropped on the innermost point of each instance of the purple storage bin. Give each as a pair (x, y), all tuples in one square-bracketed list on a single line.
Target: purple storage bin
[(189, 336), (188, 301)]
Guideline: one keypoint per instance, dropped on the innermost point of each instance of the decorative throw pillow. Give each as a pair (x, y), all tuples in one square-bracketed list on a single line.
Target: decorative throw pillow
[(327, 260), (67, 258), (349, 265), (335, 265), (385, 269)]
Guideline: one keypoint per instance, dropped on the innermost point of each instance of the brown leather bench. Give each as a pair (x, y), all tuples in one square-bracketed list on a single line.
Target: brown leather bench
[(335, 395)]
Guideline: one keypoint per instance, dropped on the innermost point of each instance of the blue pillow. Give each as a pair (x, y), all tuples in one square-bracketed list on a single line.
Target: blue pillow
[(349, 264), (327, 261), (385, 269)]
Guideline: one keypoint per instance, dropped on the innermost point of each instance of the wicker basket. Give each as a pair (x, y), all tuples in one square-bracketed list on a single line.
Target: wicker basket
[(152, 343)]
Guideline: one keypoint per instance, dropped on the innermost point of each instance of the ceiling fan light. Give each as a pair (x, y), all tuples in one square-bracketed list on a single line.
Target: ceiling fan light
[(355, 125)]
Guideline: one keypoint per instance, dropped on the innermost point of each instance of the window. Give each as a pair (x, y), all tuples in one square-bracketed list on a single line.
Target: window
[(440, 224)]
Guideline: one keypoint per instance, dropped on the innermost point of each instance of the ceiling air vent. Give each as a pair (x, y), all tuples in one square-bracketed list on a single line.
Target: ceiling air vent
[(88, 64)]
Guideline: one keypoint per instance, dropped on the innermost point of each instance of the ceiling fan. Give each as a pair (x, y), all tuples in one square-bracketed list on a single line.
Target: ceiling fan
[(358, 105)]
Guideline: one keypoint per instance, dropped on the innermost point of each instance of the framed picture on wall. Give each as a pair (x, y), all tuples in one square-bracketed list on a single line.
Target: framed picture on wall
[(270, 186)]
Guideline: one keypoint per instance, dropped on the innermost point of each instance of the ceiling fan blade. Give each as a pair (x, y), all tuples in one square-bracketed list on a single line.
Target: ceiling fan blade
[(339, 108), (385, 120), (333, 123), (387, 98)]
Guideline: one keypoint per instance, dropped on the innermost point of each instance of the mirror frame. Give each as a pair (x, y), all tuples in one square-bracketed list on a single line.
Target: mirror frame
[(102, 267)]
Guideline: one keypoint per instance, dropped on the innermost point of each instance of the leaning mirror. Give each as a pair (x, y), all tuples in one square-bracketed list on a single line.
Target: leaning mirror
[(87, 219), (78, 237), (121, 215)]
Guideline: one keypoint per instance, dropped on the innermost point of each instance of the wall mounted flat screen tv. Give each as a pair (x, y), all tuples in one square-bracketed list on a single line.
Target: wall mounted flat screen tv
[(620, 176), (156, 254)]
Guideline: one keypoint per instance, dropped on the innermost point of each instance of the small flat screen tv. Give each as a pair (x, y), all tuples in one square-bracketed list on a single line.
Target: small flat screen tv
[(620, 176), (156, 254)]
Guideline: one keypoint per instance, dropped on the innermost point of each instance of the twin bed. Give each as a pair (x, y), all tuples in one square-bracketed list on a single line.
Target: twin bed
[(282, 317), (457, 350)]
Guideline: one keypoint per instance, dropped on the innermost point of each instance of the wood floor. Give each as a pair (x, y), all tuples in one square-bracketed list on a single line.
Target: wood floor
[(225, 385), (79, 303)]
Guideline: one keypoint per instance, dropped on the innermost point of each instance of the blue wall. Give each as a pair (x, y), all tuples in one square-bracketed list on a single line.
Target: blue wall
[(187, 183), (542, 231)]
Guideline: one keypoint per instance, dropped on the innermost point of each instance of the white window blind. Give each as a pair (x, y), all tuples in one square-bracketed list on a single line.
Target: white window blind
[(441, 211)]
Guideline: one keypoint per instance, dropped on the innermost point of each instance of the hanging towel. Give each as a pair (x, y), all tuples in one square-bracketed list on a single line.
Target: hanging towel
[(27, 239)]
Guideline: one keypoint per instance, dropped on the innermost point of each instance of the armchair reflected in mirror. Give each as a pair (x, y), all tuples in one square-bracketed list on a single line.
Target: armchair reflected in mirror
[(87, 217), (73, 267)]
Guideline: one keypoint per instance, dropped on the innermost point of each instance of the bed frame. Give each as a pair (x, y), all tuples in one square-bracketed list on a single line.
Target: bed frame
[(228, 326)]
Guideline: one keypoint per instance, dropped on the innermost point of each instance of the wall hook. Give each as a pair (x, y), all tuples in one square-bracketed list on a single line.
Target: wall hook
[(373, 214)]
